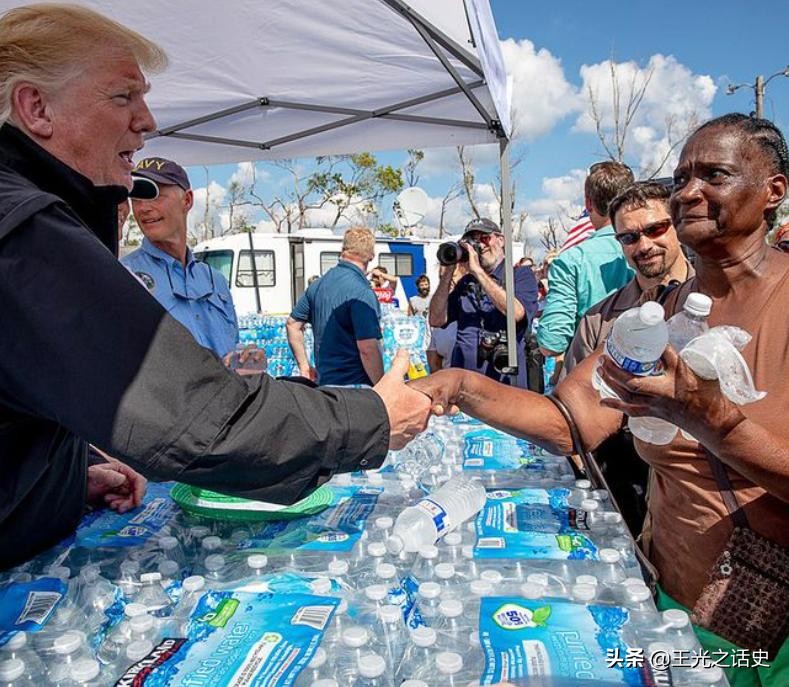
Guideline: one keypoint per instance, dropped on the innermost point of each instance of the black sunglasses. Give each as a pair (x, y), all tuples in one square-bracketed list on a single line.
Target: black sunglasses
[(652, 231)]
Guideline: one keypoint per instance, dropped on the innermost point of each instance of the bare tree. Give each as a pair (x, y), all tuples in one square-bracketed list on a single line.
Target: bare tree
[(468, 179), (552, 235), (624, 106), (453, 193), (409, 169)]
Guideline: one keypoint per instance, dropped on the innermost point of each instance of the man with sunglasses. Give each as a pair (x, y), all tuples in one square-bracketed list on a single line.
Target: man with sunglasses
[(193, 292), (478, 303), (642, 225)]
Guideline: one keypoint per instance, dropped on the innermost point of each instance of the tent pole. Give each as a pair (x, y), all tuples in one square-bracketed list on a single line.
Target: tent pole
[(509, 273), (254, 273)]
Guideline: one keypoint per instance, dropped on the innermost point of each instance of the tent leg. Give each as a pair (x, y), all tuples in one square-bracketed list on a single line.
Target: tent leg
[(509, 274)]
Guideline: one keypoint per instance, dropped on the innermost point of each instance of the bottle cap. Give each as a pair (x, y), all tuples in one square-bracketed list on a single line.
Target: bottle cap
[(633, 582), (609, 555), (698, 304), (134, 609), (584, 592), (355, 637), (199, 531), (59, 571), (638, 594), (11, 669), (708, 675), (650, 313), (676, 618), (320, 585), (257, 561), (492, 576), (85, 670), (318, 658), (376, 592), (384, 522), (532, 590), (211, 543), (429, 590), (386, 571), (192, 584), (168, 568), (612, 518), (138, 650), (584, 484), (376, 549), (389, 613), (659, 648), (140, 624), (451, 608), (68, 642), (449, 663), (407, 683), (168, 543), (481, 588), (239, 535), (586, 579), (424, 636), (445, 571), (151, 577), (17, 641), (467, 552), (337, 568), (429, 552), (453, 539), (325, 682), (372, 665), (394, 544), (538, 578), (213, 563)]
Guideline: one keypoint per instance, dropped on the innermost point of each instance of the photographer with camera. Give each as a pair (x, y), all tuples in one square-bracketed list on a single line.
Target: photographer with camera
[(478, 303)]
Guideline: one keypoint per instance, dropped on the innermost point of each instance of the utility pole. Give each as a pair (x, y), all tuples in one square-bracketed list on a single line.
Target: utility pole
[(758, 89)]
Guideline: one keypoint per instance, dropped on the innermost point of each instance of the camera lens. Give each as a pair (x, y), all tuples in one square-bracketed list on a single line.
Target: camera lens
[(450, 253)]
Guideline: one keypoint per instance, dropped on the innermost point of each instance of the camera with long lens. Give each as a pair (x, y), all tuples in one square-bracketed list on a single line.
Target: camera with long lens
[(451, 252), (493, 347)]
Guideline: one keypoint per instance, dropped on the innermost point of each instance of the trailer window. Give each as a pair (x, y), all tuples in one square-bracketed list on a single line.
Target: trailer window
[(398, 264), (329, 259), (264, 262), (220, 260)]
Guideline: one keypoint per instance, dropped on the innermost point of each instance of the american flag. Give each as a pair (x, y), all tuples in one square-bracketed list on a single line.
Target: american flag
[(578, 233)]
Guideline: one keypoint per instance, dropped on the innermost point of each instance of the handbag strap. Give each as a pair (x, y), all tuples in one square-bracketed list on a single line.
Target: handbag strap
[(736, 513), (595, 474)]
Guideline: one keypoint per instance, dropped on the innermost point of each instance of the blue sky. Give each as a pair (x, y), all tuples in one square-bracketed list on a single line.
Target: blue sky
[(557, 50)]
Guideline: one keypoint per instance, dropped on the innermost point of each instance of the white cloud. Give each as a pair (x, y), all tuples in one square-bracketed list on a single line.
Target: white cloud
[(247, 173), (541, 95), (206, 209), (674, 101), (561, 195)]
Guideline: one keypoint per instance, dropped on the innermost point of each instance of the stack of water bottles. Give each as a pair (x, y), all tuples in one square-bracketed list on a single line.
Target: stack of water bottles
[(268, 333), (470, 558)]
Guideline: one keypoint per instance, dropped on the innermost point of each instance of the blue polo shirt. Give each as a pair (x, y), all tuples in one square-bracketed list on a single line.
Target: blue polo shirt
[(342, 309), (472, 309), (196, 295)]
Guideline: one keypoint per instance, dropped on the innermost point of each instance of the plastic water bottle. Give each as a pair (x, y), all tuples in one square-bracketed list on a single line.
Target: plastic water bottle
[(394, 633), (113, 645), (18, 646), (354, 643), (428, 599), (153, 596), (418, 659), (455, 502), (690, 322), (69, 648), (637, 340), (192, 588), (319, 668), (13, 673), (372, 670)]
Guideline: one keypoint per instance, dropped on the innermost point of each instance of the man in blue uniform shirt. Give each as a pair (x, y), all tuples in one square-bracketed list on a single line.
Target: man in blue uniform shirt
[(194, 293), (478, 303)]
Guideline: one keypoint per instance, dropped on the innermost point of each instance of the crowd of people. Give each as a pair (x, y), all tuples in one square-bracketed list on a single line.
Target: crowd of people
[(102, 384)]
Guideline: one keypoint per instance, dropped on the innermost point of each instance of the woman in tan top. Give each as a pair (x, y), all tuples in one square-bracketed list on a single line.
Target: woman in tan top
[(731, 177)]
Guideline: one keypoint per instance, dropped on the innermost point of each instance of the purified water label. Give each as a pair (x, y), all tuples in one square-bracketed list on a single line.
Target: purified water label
[(436, 512)]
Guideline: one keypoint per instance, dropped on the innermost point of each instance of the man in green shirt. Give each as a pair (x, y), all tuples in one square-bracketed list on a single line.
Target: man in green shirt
[(588, 272)]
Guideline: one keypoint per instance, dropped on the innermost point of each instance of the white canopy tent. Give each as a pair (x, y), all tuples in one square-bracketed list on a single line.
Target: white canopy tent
[(273, 79)]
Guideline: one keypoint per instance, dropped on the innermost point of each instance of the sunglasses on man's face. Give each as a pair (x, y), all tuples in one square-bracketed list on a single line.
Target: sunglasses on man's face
[(651, 231), (783, 246)]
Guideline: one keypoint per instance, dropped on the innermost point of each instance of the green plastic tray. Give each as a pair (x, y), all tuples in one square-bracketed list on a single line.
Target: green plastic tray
[(212, 504)]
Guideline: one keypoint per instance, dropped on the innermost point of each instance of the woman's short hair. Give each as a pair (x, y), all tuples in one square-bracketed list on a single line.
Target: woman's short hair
[(762, 132), (48, 44), (637, 196), (360, 242)]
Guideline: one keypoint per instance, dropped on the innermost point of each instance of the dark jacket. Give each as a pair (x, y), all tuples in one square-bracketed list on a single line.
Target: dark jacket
[(87, 355)]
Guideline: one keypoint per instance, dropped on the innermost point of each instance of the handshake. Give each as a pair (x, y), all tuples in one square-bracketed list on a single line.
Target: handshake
[(409, 406)]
